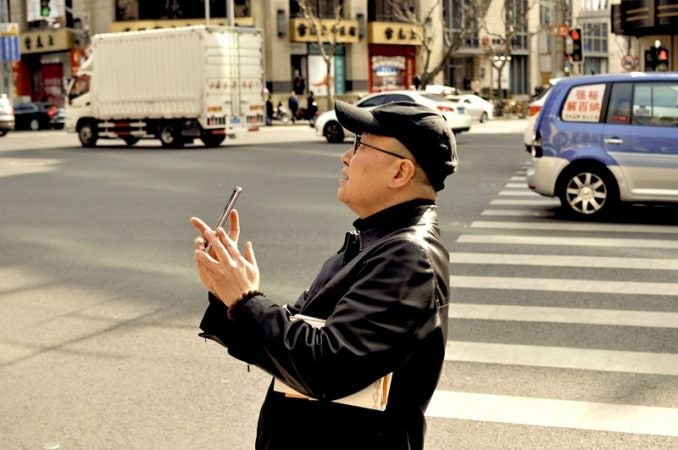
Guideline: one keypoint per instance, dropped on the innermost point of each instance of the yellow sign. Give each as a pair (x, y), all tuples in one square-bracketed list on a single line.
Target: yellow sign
[(302, 30), (46, 41), (9, 29), (394, 33), (140, 25)]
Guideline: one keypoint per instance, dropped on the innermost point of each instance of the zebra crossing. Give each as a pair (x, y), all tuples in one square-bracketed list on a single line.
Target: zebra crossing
[(520, 268)]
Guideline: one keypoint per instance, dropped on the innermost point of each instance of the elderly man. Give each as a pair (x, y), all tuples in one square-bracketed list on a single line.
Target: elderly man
[(383, 297)]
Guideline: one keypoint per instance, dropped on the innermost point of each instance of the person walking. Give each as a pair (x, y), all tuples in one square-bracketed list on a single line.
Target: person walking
[(293, 105), (382, 298), (311, 108)]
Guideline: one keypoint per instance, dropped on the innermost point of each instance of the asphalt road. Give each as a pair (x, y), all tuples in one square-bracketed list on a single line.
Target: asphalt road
[(99, 301)]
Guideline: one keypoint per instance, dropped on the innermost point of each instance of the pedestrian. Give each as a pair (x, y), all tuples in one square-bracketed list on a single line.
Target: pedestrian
[(383, 296), (417, 82), (311, 108), (269, 110), (293, 105)]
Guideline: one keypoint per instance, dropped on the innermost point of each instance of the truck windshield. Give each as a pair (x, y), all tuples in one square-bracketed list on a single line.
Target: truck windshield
[(79, 86)]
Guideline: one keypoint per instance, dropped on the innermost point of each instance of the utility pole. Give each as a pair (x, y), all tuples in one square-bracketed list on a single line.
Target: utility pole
[(207, 12), (230, 13)]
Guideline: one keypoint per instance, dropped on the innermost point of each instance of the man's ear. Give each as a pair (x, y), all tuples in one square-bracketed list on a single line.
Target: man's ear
[(404, 173)]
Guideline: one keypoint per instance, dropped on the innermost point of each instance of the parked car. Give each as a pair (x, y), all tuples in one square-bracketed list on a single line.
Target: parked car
[(533, 110), (604, 139), (328, 126), (39, 115), (6, 115), (441, 89), (479, 108)]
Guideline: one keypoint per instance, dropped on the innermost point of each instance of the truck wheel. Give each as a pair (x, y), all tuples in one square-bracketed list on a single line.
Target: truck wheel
[(88, 134), (170, 136), (212, 140), (130, 140)]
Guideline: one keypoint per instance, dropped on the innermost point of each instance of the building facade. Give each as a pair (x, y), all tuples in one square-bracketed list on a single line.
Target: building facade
[(499, 46)]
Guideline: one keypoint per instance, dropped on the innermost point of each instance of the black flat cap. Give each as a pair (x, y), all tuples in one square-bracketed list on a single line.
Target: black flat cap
[(424, 132)]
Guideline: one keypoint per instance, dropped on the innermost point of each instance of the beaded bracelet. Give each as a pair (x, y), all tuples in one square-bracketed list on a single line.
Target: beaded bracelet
[(241, 300)]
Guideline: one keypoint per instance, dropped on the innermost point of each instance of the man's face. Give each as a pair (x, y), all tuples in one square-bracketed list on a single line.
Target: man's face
[(368, 166)]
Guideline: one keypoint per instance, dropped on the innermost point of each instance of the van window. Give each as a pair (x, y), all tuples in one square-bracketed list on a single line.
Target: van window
[(583, 103), (656, 104), (79, 87), (619, 107)]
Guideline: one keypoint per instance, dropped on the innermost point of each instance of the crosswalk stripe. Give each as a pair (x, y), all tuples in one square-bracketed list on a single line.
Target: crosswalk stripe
[(585, 316), (563, 357), (564, 261), (568, 226), (523, 202), (567, 241), (519, 193), (651, 420), (565, 285), (517, 213), (516, 186), (518, 178)]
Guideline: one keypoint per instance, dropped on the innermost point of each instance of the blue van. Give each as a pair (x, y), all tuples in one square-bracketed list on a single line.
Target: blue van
[(604, 139)]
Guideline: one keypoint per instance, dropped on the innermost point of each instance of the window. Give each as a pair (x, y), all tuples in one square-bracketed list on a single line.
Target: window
[(655, 104), (619, 107), (460, 24), (384, 10), (323, 9), (594, 5), (583, 103), (595, 38)]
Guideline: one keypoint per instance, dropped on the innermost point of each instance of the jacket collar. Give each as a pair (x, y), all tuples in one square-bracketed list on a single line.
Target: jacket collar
[(391, 219)]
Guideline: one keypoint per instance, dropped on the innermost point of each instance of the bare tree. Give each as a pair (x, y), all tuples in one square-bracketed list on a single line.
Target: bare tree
[(452, 39), (498, 52), (324, 36)]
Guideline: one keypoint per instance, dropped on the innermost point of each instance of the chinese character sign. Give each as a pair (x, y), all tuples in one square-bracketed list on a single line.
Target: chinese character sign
[(583, 103)]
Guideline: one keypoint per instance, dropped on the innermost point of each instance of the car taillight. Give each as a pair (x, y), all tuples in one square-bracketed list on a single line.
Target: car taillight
[(533, 110), (445, 108), (52, 111)]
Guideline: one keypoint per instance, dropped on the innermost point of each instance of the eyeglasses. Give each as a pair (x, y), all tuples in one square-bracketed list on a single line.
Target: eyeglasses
[(357, 143)]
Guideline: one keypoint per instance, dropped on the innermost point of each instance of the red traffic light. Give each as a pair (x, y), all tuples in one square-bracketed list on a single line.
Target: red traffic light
[(663, 55), (574, 34)]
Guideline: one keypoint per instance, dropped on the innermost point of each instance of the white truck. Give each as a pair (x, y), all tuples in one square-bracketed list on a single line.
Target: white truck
[(174, 85)]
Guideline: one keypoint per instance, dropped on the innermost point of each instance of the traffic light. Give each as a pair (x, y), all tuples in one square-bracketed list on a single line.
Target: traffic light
[(575, 35), (657, 59), (44, 8)]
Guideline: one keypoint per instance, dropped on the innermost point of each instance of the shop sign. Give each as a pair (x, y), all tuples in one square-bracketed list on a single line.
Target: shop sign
[(344, 31), (141, 25), (394, 33), (46, 41), (10, 48)]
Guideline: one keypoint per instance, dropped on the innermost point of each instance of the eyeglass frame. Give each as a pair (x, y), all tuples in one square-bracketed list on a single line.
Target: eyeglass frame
[(357, 142)]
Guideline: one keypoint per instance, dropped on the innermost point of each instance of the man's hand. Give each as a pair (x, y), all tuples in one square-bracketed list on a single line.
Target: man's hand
[(225, 271)]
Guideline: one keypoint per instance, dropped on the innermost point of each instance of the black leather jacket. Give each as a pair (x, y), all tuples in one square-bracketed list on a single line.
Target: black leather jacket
[(384, 295)]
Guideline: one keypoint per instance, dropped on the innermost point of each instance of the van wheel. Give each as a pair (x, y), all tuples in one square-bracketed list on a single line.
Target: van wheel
[(333, 132), (588, 192), (130, 140), (88, 134), (170, 136), (212, 140)]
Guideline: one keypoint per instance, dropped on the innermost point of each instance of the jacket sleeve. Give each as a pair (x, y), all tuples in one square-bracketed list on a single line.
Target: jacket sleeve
[(369, 333)]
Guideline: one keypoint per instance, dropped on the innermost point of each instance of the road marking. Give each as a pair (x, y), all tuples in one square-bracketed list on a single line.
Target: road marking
[(517, 212), (568, 241), (534, 201), (518, 179), (520, 193), (565, 285), (586, 316), (516, 186), (563, 357), (570, 226), (610, 417), (564, 261)]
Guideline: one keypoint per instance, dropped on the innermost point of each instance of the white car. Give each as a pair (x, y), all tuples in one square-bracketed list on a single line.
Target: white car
[(533, 110), (479, 108), (328, 126)]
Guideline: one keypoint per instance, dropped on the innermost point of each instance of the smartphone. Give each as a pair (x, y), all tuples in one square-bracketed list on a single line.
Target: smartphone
[(230, 204)]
